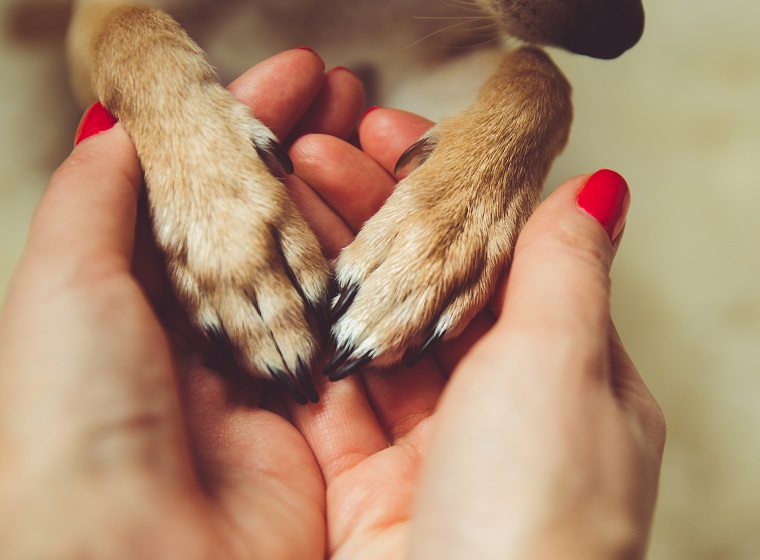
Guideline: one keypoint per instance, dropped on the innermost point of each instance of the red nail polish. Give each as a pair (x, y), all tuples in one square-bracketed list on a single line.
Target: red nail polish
[(94, 121), (315, 53), (606, 197), (368, 111)]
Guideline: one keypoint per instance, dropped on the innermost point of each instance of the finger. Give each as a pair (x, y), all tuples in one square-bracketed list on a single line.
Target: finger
[(385, 134), (281, 89), (404, 399), (342, 429), (337, 108), (559, 287), (74, 313), (86, 218), (331, 231), (349, 181)]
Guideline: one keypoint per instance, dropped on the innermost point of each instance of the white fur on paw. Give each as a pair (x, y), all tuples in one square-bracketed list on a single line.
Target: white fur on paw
[(428, 261), (420, 269), (241, 257)]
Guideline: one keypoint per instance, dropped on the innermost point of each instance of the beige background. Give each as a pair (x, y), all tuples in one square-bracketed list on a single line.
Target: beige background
[(679, 116)]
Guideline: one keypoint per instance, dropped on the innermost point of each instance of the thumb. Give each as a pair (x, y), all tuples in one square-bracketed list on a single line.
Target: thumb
[(559, 279), (89, 209)]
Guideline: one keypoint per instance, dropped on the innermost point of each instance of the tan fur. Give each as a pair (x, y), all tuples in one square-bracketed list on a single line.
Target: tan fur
[(429, 259), (231, 235), (242, 259)]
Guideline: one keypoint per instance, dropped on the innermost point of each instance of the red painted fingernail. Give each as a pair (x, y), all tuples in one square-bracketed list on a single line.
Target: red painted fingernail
[(368, 111), (606, 197), (96, 119), (315, 53)]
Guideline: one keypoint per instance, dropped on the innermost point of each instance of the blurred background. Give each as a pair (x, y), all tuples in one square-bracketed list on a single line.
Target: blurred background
[(678, 116)]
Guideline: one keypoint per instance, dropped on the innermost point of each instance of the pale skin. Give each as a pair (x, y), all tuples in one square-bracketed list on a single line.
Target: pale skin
[(119, 439)]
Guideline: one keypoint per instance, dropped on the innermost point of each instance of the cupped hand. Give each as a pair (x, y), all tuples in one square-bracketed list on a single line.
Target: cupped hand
[(530, 436), (117, 439)]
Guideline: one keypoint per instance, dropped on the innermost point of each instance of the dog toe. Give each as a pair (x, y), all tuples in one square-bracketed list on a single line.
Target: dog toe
[(428, 261), (241, 258)]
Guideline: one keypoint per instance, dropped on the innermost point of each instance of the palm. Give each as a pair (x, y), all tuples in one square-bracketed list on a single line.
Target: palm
[(369, 504), (240, 473), (354, 460), (369, 435), (370, 432), (379, 531), (262, 494), (235, 475), (260, 487), (214, 463), (178, 449)]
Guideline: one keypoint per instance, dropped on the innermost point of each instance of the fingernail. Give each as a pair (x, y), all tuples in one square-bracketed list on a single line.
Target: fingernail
[(368, 111), (96, 119), (315, 53), (606, 197)]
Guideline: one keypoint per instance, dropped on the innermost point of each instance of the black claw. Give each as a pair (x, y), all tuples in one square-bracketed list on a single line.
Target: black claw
[(414, 156), (345, 299), (284, 380), (319, 312), (307, 383), (340, 356), (275, 157), (349, 368), (411, 359)]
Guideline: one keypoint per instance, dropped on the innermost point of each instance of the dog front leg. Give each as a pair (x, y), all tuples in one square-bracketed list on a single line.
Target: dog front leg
[(240, 257), (428, 261)]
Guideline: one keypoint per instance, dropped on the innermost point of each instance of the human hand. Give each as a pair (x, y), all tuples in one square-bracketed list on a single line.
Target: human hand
[(227, 476), (545, 441), (117, 440)]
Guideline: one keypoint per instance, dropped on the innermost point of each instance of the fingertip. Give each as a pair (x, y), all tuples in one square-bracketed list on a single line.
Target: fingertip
[(314, 53), (96, 119), (605, 196), (280, 89), (369, 110), (352, 184), (98, 152), (559, 276), (385, 134), (337, 108), (89, 208), (385, 121)]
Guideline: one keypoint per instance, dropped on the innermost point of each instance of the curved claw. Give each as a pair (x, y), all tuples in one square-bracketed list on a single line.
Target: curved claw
[(275, 157), (338, 359), (320, 316), (284, 381), (350, 367), (412, 358), (414, 156), (307, 383), (345, 299)]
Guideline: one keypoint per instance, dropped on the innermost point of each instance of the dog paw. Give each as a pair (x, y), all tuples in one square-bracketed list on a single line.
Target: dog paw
[(423, 266), (428, 261), (241, 258)]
